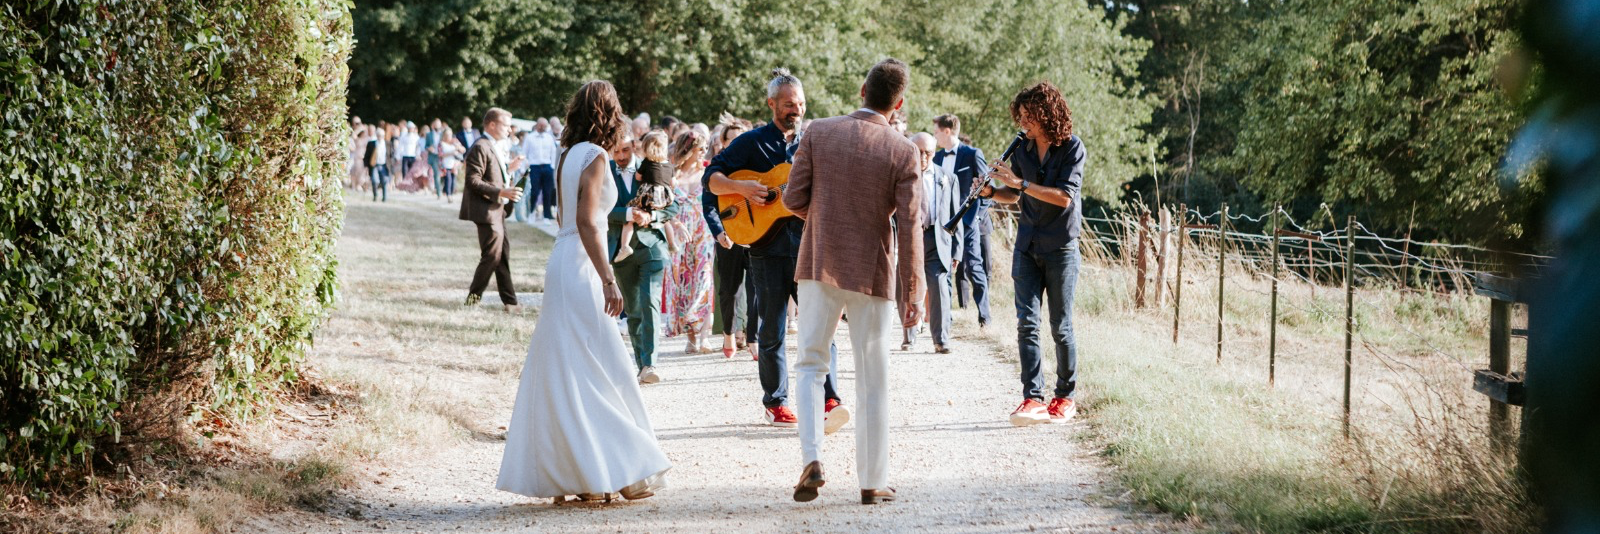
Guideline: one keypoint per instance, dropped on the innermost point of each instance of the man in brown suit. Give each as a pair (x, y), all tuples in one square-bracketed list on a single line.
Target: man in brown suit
[(486, 201), (850, 176)]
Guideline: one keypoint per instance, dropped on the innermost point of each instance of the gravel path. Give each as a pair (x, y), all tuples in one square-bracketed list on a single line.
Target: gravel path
[(958, 465)]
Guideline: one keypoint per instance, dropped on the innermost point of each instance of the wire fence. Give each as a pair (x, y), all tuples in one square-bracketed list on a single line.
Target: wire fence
[(1173, 251)]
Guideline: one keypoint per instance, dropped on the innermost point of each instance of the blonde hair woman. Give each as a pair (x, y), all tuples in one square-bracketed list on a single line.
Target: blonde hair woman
[(687, 288)]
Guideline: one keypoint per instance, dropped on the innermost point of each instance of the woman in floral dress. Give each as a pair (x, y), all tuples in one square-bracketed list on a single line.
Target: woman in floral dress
[(687, 293)]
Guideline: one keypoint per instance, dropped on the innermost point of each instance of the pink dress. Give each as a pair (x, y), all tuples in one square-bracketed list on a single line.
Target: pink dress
[(686, 289)]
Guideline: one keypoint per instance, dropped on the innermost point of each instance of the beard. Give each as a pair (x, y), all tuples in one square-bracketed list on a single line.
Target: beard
[(789, 122)]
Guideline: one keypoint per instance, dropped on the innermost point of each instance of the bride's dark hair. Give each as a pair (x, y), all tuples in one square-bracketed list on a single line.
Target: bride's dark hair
[(595, 115)]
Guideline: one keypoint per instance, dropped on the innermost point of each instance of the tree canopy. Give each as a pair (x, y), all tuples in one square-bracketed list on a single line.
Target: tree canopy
[(695, 59), (1389, 111)]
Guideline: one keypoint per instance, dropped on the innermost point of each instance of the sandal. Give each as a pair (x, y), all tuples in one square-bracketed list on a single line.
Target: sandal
[(637, 490)]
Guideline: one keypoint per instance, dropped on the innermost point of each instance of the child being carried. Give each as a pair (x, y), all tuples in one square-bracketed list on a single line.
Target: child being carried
[(655, 188)]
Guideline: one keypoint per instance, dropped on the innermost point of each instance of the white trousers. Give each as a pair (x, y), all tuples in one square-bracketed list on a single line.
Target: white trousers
[(871, 320)]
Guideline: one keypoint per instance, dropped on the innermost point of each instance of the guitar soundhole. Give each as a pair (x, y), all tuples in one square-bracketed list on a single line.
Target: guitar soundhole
[(771, 195)]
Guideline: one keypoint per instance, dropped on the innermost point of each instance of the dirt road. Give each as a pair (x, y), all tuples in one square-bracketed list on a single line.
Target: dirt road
[(957, 463)]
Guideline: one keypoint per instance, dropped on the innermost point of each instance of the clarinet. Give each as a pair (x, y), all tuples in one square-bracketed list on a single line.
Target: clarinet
[(972, 196)]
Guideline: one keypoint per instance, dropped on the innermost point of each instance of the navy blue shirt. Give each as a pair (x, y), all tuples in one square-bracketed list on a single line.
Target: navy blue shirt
[(1045, 226), (757, 150)]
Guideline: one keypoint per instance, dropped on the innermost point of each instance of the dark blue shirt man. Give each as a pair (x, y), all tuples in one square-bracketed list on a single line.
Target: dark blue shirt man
[(966, 163), (757, 150), (772, 261), (1046, 179)]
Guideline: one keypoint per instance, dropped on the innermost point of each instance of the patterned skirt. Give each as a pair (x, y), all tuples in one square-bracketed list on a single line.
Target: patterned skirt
[(687, 289)]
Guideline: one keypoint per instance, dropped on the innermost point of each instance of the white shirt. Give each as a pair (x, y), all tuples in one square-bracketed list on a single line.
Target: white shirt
[(451, 155), (407, 145), (629, 171), (502, 150), (504, 146), (949, 163), (539, 148), (381, 154)]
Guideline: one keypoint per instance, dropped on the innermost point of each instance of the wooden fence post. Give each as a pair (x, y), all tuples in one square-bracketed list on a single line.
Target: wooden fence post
[(1164, 226), (1177, 287), (1405, 252), (1500, 437), (1139, 263), (1311, 266), (1222, 272), (1349, 311), (1272, 336)]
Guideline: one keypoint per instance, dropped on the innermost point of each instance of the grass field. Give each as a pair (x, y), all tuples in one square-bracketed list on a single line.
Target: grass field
[(1213, 441)]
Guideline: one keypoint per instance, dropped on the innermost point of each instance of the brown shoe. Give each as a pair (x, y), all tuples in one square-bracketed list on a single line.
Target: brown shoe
[(810, 480), (877, 496), (941, 349)]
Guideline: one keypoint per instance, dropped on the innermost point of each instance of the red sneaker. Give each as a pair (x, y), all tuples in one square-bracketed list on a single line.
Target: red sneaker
[(1030, 412), (834, 417), (781, 416), (1062, 410)]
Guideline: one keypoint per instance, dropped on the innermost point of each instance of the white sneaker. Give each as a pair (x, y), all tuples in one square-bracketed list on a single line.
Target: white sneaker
[(648, 375)]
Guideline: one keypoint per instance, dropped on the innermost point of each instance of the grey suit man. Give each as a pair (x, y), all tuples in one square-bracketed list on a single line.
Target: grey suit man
[(941, 249)]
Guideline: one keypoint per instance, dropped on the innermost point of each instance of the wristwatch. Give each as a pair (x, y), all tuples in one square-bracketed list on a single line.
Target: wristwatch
[(1023, 188)]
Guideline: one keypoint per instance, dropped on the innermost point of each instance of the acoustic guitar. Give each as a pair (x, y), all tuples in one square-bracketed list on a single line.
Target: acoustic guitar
[(747, 223)]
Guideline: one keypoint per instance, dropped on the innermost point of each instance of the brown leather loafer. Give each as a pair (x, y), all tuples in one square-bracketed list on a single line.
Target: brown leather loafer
[(877, 496), (810, 480)]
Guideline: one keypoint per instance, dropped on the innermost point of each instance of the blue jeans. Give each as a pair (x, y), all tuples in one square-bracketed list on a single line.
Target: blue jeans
[(380, 181), (435, 173), (448, 183), (1051, 275), (772, 279)]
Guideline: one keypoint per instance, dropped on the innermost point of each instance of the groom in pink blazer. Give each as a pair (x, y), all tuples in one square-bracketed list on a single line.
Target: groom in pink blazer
[(851, 176)]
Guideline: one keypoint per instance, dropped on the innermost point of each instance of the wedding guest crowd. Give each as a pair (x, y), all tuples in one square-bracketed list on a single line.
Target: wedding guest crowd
[(681, 273)]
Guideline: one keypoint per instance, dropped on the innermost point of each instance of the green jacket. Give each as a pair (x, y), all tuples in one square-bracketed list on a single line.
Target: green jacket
[(646, 240)]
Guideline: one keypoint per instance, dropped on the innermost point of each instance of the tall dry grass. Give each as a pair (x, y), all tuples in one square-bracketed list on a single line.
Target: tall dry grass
[(1215, 442)]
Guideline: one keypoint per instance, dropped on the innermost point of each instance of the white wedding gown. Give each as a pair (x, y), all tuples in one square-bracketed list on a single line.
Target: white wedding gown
[(579, 424)]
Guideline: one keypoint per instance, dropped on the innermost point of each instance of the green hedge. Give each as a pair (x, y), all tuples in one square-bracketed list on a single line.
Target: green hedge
[(170, 176)]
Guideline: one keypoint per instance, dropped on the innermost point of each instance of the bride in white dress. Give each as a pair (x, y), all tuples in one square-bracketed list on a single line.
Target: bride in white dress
[(579, 425)]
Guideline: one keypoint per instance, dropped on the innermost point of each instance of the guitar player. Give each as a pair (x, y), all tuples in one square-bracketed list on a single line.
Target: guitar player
[(772, 258)]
